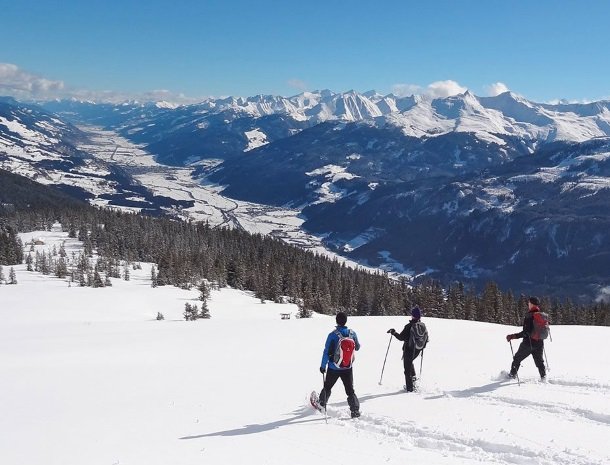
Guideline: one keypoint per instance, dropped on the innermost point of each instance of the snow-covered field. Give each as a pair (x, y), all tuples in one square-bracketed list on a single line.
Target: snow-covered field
[(88, 376)]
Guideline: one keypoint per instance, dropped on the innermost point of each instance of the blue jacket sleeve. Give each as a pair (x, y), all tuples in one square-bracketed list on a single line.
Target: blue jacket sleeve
[(356, 340), (325, 354)]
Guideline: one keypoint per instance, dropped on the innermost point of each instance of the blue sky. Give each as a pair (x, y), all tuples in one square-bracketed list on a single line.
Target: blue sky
[(542, 49)]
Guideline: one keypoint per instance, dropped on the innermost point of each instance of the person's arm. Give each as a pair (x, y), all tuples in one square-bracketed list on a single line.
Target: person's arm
[(404, 334), (326, 353), (526, 331)]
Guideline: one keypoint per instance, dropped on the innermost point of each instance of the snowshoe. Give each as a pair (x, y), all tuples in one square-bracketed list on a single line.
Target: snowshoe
[(315, 401)]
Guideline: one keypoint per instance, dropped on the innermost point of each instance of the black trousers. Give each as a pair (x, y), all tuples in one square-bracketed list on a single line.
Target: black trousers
[(407, 358), (347, 378), (526, 348)]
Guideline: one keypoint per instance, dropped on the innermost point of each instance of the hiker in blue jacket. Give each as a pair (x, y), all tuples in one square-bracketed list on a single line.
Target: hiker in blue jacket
[(338, 356)]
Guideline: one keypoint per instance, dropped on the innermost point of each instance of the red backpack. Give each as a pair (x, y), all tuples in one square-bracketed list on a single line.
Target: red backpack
[(345, 350), (541, 326)]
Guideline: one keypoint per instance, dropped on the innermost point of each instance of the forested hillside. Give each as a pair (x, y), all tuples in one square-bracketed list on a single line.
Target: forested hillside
[(186, 253)]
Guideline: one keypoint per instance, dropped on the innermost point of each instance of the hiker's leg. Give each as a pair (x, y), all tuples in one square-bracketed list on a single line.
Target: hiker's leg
[(415, 355), (524, 350), (537, 355), (409, 369), (331, 378), (347, 376)]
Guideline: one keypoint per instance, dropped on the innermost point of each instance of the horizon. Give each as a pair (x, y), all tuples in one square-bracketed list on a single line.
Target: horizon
[(144, 100), (192, 51)]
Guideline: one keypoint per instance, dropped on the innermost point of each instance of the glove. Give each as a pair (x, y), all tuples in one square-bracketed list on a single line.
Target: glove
[(509, 337), (322, 370), (391, 331)]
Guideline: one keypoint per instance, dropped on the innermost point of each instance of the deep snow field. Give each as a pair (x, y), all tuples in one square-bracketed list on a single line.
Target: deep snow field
[(88, 376)]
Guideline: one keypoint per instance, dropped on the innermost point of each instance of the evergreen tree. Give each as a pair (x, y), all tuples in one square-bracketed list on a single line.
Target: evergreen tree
[(153, 277), (490, 308), (1, 275), (97, 279), (190, 312), (303, 311), (29, 261), (61, 270), (12, 276), (205, 311), (204, 291)]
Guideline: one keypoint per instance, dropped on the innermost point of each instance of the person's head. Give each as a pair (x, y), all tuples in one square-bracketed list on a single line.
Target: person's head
[(341, 318), (533, 302), (416, 313)]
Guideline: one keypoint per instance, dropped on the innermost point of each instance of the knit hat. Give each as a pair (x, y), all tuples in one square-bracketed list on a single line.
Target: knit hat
[(416, 313), (341, 318), (534, 301)]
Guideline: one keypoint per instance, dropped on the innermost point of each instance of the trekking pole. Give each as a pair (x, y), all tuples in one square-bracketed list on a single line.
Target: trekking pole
[(386, 357), (511, 351), (325, 397), (421, 363), (548, 368)]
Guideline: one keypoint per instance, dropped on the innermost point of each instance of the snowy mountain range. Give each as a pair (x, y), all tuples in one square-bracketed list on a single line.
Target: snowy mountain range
[(490, 119), (463, 187)]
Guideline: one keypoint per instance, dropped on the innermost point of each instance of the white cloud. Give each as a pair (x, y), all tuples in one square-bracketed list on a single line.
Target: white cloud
[(19, 83), (437, 89), (440, 89), (496, 88)]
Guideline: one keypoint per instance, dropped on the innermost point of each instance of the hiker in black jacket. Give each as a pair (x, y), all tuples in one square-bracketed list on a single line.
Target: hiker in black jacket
[(409, 349), (529, 345)]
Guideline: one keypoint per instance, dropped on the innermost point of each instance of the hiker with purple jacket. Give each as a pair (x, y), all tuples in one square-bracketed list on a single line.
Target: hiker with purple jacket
[(414, 337)]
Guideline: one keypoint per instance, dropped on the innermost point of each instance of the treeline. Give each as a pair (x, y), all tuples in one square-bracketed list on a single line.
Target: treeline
[(186, 253)]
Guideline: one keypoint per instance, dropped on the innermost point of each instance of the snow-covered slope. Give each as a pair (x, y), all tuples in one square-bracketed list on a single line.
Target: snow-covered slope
[(89, 376)]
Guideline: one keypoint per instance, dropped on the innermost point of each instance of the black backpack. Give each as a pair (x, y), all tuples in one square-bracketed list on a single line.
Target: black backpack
[(418, 337)]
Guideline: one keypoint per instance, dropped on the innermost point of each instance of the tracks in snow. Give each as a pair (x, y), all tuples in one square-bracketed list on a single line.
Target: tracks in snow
[(578, 404), (409, 435)]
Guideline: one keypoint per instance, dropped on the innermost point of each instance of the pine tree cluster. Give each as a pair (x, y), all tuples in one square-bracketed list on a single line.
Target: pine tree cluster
[(187, 254)]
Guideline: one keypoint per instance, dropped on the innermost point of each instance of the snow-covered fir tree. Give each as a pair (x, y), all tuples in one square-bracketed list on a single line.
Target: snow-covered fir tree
[(153, 277), (190, 312), (12, 276)]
